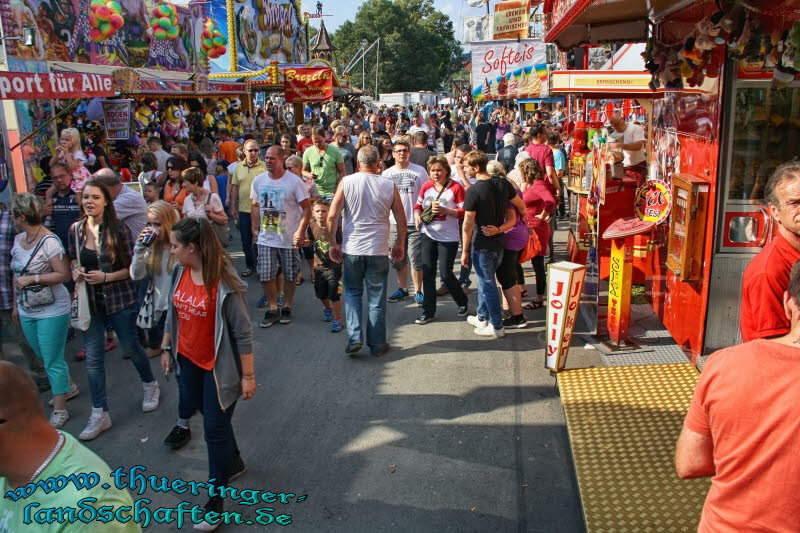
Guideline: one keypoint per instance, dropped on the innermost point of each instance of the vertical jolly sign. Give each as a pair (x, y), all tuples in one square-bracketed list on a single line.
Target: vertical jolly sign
[(564, 286)]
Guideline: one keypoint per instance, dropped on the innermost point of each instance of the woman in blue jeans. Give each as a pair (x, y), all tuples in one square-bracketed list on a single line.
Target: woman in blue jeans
[(100, 250), (209, 340)]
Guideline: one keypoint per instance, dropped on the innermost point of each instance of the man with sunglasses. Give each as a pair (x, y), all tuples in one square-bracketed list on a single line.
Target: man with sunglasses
[(324, 164), (409, 179), (241, 183)]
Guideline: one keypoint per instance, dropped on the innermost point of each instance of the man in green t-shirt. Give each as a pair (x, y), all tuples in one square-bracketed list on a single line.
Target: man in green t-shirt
[(32, 451), (324, 164)]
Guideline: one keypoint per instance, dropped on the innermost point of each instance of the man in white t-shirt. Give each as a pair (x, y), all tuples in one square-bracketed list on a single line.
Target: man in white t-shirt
[(418, 125), (280, 212), (632, 145), (367, 200), (409, 179)]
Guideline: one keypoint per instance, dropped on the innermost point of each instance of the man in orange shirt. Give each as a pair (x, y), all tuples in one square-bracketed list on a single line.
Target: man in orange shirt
[(766, 277), (742, 429), (227, 147)]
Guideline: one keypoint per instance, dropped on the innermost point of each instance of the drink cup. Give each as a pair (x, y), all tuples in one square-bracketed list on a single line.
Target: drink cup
[(150, 236)]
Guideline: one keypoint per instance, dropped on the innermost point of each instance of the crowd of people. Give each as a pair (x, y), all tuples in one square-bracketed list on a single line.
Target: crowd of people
[(87, 254)]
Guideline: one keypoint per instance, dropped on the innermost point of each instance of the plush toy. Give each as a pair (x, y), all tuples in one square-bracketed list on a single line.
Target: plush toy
[(143, 115), (172, 121), (212, 41)]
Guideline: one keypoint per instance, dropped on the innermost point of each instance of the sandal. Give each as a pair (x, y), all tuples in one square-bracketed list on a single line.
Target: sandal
[(533, 305), (299, 281), (246, 273), (524, 293)]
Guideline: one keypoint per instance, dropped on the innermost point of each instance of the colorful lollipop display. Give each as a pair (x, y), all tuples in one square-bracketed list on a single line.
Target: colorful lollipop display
[(213, 42), (164, 22), (105, 18)]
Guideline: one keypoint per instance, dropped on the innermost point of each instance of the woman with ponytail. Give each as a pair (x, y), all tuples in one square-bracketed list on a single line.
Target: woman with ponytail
[(209, 343)]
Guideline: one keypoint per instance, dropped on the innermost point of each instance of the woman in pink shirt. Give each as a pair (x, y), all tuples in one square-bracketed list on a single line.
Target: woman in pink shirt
[(539, 204)]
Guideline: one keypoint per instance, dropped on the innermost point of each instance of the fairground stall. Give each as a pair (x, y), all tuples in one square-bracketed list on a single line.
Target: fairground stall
[(600, 190), (162, 43)]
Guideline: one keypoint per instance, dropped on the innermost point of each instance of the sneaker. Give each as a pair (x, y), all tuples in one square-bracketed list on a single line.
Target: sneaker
[(109, 345), (57, 418), (178, 437), (327, 314), (463, 310), (270, 317), (419, 298), (262, 302), (286, 315), (151, 395), (99, 421), (441, 291), (382, 350), (489, 331), (81, 355), (398, 295), (515, 322), (281, 300), (215, 505), (70, 395), (424, 318), (476, 321), (353, 348), (336, 326), (237, 469)]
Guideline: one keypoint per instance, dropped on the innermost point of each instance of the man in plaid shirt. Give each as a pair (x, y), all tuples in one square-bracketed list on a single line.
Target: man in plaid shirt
[(7, 325)]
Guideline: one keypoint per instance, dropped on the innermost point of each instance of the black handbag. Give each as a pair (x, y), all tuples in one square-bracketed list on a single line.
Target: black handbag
[(39, 295), (427, 212)]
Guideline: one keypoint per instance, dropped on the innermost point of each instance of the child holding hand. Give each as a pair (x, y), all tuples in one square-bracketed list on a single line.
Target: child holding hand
[(327, 273)]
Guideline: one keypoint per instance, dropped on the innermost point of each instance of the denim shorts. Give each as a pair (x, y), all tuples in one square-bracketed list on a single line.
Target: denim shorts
[(413, 248)]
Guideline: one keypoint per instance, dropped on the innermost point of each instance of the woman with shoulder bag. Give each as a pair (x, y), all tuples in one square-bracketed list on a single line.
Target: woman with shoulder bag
[(209, 341), (202, 203), (42, 303), (100, 249), (539, 205), (439, 207)]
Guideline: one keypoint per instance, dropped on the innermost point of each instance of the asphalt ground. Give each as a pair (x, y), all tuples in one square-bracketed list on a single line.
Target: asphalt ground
[(446, 432)]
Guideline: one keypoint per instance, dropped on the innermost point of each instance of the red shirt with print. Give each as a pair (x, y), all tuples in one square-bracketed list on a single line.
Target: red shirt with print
[(304, 143), (196, 321), (763, 284)]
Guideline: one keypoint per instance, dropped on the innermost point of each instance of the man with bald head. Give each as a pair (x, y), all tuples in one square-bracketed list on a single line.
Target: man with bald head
[(280, 212), (31, 451), (130, 206), (241, 182), (632, 145)]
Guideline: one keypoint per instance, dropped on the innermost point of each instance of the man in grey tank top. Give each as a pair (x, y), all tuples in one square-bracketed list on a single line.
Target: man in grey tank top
[(366, 198)]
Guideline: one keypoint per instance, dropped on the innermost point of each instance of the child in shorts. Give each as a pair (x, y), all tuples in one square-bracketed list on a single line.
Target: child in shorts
[(327, 273)]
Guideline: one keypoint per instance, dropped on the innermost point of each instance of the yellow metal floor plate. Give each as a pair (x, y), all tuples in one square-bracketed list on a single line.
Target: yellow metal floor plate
[(623, 423)]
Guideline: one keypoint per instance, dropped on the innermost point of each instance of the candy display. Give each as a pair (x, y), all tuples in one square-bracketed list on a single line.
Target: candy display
[(105, 18), (164, 22), (213, 42)]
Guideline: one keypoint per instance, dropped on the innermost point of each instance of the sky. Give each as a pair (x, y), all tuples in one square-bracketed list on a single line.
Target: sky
[(342, 10)]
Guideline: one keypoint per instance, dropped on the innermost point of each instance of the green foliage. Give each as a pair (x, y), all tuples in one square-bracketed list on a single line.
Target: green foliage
[(418, 49)]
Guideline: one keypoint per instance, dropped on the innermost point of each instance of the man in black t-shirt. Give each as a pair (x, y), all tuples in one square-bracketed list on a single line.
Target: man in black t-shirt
[(483, 132), (484, 213), (63, 209)]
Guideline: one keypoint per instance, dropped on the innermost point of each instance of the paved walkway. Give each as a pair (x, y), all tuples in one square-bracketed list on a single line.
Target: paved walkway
[(446, 432)]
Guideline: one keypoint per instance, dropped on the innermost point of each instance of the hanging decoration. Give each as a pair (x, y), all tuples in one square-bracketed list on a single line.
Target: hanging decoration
[(164, 22), (105, 18), (744, 36), (213, 41)]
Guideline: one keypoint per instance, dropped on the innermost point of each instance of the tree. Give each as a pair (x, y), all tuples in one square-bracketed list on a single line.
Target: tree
[(418, 49)]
